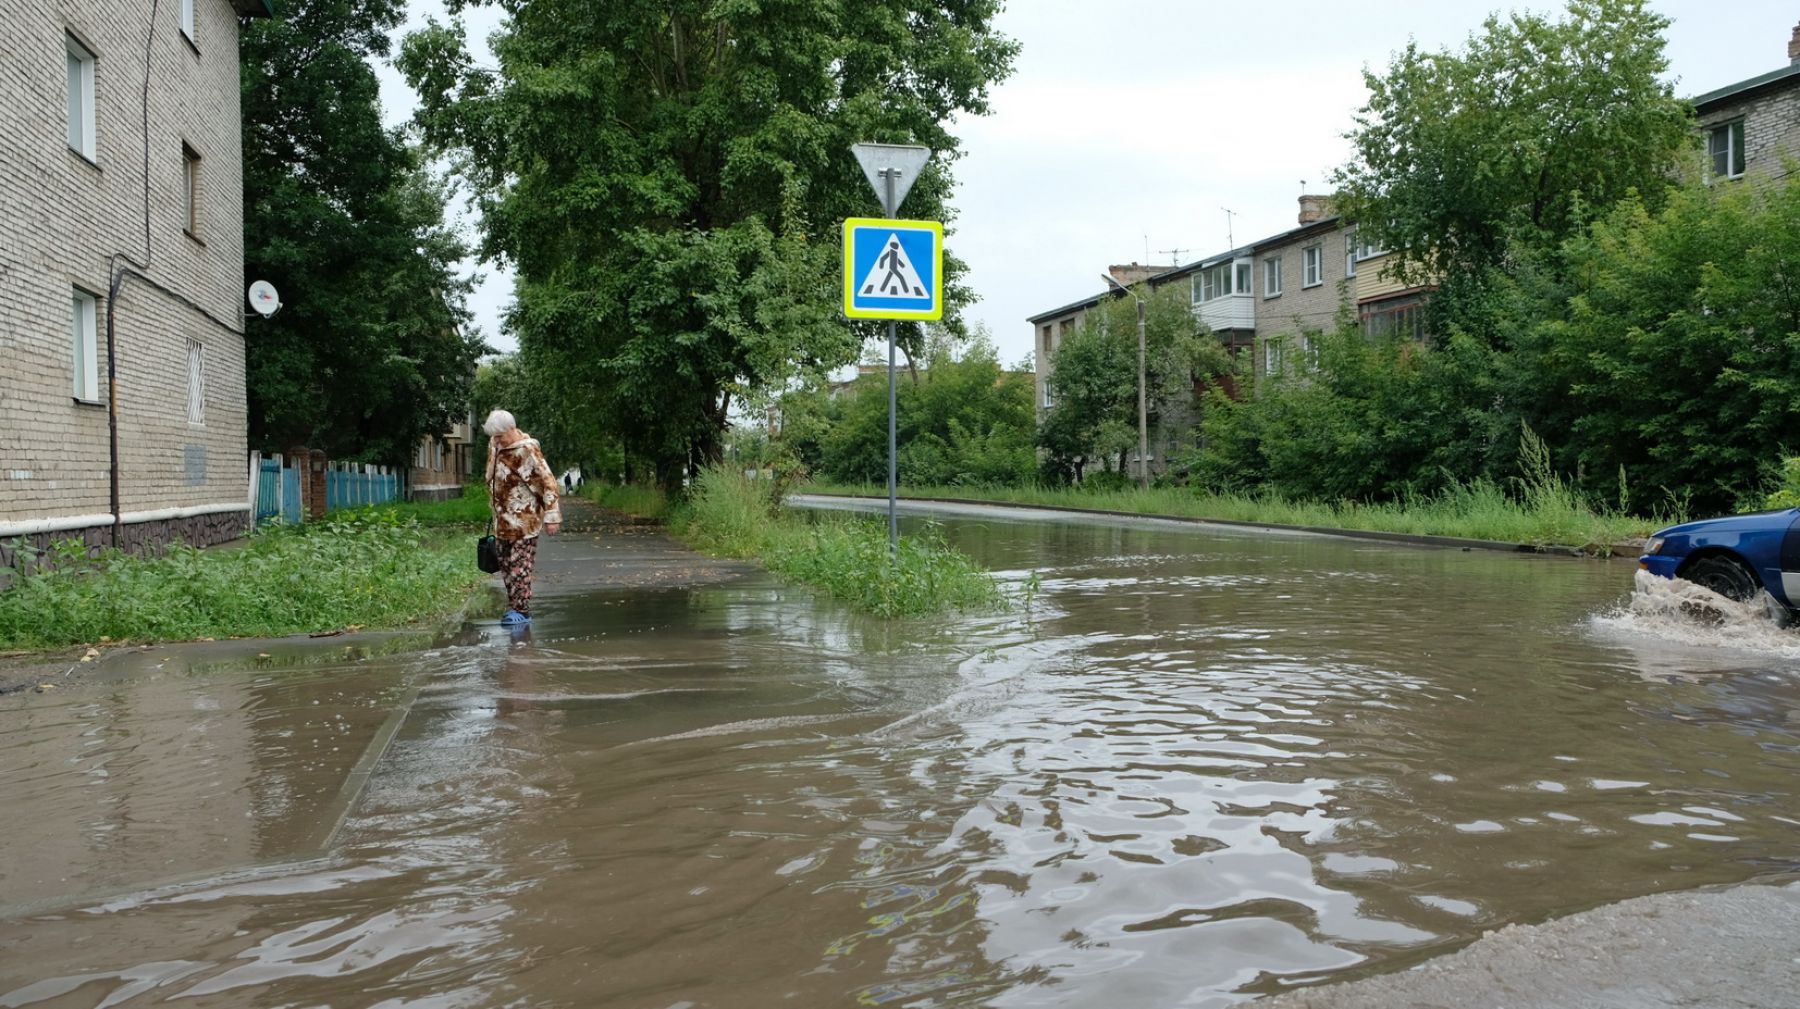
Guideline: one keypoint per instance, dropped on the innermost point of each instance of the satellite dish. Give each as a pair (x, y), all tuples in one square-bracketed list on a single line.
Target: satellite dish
[(264, 299)]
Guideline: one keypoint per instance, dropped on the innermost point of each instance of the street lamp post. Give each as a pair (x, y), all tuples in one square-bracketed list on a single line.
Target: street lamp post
[(1143, 412)]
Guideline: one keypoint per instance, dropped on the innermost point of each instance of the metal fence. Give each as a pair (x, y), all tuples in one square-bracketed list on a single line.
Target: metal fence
[(347, 485)]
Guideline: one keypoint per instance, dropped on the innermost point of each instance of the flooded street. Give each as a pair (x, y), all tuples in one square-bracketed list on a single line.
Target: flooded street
[(1199, 766)]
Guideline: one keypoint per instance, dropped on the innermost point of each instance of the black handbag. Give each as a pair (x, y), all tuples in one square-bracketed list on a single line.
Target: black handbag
[(487, 552)]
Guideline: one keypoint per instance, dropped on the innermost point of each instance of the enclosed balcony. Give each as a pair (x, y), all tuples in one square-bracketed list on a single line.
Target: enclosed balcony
[(1222, 295)]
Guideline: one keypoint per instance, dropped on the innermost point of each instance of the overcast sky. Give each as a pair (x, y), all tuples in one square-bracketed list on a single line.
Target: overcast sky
[(1130, 127)]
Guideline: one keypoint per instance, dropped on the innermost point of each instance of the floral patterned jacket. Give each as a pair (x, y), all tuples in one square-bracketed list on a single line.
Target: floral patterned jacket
[(521, 488)]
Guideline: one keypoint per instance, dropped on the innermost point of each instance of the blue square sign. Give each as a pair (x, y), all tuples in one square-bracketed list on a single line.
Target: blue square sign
[(893, 269)]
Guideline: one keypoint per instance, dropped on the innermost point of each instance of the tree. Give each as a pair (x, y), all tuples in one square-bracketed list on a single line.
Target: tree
[(1534, 129), (667, 179), (1093, 378), (370, 351)]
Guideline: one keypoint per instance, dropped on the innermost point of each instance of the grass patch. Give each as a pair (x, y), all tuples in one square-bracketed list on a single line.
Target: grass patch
[(469, 510), (843, 556), (1544, 514), (632, 499), (373, 567)]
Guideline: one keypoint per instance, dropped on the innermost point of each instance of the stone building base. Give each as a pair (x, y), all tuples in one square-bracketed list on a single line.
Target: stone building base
[(136, 537)]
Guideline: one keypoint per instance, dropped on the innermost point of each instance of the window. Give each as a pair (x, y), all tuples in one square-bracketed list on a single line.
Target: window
[(1048, 400), (187, 19), (1367, 250), (1271, 357), (196, 383), (81, 98), (190, 190), (86, 348), (1312, 266), (1272, 277), (1725, 145), (1396, 318), (1214, 282), (1349, 253), (1048, 349), (1244, 270)]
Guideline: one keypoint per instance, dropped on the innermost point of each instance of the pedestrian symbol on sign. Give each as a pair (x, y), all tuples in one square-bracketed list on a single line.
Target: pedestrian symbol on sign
[(892, 269), (898, 278)]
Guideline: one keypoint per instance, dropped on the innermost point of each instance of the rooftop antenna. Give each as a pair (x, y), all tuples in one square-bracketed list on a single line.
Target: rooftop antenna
[(1174, 255), (1230, 243), (1146, 250)]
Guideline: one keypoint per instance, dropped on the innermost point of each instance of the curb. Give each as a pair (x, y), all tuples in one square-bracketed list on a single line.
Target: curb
[(1613, 550)]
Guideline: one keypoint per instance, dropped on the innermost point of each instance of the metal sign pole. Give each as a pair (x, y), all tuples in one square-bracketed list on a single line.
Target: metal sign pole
[(888, 205)]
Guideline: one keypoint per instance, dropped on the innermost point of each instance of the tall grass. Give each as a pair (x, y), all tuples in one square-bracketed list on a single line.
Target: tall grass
[(372, 567), (1541, 513), (632, 499), (843, 556), (469, 510)]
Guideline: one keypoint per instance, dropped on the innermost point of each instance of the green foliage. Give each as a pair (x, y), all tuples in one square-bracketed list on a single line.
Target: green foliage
[(469, 510), (1525, 134), (667, 179), (642, 500), (1678, 351), (962, 419), (1094, 384), (372, 568), (1787, 492), (368, 354), (848, 559), (522, 385)]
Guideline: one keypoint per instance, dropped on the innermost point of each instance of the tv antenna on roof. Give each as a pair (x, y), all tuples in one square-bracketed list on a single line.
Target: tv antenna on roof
[(1230, 243), (1174, 255)]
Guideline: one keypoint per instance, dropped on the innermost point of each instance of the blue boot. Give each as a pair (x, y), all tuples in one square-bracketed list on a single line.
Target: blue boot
[(514, 618)]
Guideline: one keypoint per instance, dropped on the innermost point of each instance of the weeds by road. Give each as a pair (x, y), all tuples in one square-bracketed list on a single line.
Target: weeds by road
[(372, 568), (1548, 515), (846, 557), (469, 510)]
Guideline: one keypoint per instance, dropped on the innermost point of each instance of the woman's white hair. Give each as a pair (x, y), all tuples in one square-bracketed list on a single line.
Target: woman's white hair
[(499, 422)]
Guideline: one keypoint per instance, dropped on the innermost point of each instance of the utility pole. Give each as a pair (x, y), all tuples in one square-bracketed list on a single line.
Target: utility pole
[(1143, 408)]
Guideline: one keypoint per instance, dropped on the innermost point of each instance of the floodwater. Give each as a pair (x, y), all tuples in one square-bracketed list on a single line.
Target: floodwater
[(1198, 767)]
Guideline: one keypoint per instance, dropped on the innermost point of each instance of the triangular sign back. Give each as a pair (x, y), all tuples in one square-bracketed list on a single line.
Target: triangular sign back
[(909, 160)]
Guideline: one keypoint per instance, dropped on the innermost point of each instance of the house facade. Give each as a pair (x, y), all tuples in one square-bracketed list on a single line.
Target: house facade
[(442, 464), (122, 414), (1302, 281), (1753, 127)]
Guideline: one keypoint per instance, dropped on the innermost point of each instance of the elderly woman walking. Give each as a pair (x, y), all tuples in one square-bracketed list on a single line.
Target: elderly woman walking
[(522, 494)]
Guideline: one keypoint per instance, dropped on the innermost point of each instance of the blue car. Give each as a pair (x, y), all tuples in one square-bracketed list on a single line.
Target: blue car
[(1734, 557)]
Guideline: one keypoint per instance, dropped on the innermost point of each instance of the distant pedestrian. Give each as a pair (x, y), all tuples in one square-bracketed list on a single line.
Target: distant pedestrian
[(522, 495)]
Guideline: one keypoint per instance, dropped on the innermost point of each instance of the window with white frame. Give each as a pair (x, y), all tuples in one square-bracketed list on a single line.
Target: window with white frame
[(1350, 253), (1312, 266), (85, 347), (1214, 282), (1366, 249), (196, 382), (1049, 401), (81, 98), (1725, 145), (1272, 277), (187, 19), (1271, 357), (190, 190), (1244, 271)]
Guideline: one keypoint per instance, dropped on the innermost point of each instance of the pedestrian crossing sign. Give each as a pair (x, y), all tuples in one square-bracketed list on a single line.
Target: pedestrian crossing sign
[(893, 269)]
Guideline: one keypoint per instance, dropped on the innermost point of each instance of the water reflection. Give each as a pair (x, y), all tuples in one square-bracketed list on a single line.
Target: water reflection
[(1203, 767)]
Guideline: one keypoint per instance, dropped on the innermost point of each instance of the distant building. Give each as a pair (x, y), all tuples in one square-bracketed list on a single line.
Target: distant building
[(443, 464), (1753, 127), (121, 258)]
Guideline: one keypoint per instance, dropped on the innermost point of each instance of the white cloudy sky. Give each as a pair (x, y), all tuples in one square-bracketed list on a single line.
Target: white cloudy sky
[(1135, 124)]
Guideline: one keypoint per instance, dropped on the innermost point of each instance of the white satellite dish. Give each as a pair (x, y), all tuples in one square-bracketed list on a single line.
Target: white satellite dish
[(264, 299)]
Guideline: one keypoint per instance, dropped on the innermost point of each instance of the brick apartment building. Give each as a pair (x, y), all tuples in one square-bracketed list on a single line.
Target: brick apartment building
[(1753, 127), (121, 254)]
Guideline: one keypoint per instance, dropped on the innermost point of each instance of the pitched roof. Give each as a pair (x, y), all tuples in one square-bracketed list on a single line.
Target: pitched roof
[(1743, 88)]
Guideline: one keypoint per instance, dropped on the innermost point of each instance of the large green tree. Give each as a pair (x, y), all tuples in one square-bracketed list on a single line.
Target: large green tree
[(370, 351), (1094, 378), (1534, 128), (666, 178)]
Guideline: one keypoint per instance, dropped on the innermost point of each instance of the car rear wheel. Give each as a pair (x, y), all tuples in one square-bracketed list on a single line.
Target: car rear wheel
[(1725, 576)]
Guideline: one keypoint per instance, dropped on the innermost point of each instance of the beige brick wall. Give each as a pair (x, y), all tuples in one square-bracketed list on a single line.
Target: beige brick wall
[(1047, 338), (1771, 128), (1299, 308), (64, 222)]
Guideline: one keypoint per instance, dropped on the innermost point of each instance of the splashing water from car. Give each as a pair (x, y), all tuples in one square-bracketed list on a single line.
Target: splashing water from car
[(1676, 612)]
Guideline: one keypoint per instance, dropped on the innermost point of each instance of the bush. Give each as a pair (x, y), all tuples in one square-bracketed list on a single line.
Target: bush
[(372, 567)]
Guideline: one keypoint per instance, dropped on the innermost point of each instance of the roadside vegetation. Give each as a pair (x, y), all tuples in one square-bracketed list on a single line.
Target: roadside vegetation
[(468, 511), (370, 568), (845, 557)]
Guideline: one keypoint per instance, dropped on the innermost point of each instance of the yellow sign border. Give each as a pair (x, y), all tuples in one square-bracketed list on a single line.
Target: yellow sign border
[(932, 314)]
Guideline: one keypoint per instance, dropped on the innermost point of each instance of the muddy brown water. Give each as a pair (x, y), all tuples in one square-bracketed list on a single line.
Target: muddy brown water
[(1201, 766)]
